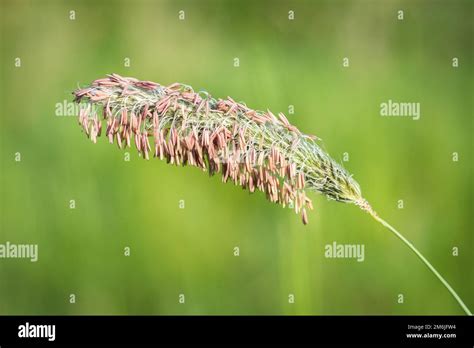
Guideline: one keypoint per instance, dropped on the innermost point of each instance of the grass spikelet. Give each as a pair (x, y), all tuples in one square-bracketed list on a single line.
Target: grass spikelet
[(254, 149)]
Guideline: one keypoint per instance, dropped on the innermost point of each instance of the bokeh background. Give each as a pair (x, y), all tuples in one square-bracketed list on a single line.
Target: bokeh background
[(190, 251)]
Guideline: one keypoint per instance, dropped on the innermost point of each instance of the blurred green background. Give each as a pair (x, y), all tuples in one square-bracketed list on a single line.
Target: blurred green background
[(190, 251)]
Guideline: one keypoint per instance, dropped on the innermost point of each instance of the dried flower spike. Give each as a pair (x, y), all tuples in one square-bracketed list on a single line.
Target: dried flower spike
[(255, 149)]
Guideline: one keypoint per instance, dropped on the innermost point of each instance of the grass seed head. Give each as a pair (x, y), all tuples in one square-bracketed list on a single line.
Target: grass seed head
[(255, 149)]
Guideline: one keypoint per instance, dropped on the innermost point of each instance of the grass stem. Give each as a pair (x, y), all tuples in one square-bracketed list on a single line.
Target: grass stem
[(422, 258)]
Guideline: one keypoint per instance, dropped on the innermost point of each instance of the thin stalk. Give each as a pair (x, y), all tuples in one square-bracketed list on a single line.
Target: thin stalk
[(420, 255)]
